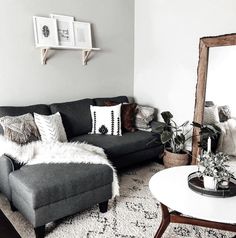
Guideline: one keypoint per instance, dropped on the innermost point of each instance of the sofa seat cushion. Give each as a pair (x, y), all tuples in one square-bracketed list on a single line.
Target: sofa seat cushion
[(75, 115), (116, 146), (44, 184)]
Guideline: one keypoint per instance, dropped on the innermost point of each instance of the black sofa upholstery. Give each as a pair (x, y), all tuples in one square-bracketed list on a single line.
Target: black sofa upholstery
[(119, 148), (60, 181), (52, 191), (48, 192), (75, 116), (17, 111)]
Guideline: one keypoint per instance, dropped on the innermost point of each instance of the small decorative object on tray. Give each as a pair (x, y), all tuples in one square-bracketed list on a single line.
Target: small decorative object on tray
[(213, 177), (195, 182)]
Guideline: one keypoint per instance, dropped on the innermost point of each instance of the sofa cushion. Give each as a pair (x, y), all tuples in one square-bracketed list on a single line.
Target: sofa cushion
[(20, 129), (17, 111), (138, 157), (119, 99), (50, 127), (116, 146), (106, 120), (44, 184), (144, 117), (75, 115), (128, 112)]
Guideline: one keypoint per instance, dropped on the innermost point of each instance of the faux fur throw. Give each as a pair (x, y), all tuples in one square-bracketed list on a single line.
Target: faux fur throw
[(227, 140), (38, 152)]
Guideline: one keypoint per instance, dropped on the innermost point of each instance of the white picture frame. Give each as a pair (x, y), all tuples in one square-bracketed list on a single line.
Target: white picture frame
[(83, 38), (45, 31), (65, 29)]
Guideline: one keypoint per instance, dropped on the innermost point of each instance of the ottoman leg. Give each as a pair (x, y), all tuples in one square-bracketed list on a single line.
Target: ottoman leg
[(39, 231), (103, 206)]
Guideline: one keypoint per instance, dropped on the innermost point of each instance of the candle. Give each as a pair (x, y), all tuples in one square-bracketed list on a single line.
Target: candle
[(209, 145)]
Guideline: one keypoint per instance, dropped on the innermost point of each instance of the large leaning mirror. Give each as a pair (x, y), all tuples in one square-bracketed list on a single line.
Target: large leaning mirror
[(215, 83)]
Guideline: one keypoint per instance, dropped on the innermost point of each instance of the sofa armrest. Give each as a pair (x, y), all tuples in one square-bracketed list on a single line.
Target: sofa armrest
[(6, 167)]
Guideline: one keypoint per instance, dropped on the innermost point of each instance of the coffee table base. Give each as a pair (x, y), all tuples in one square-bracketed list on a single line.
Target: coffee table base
[(176, 217)]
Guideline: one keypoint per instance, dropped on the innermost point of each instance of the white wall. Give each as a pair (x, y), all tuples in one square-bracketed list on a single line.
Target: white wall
[(23, 80), (167, 34)]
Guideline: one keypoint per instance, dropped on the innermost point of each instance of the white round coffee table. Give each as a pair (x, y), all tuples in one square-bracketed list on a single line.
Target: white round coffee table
[(170, 188)]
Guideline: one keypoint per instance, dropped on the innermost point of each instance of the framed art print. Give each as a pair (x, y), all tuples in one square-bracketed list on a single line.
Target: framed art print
[(82, 31), (65, 29), (45, 31)]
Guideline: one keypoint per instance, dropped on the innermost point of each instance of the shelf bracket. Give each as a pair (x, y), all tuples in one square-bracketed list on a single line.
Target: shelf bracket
[(85, 55), (44, 53)]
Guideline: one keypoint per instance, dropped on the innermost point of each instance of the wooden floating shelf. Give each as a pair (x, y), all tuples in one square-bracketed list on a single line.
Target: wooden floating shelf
[(85, 52)]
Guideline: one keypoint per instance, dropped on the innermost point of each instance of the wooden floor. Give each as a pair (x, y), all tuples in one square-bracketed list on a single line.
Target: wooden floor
[(6, 228)]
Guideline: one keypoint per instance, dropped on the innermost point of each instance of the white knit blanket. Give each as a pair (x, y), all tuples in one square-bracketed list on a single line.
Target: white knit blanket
[(44, 153), (227, 140)]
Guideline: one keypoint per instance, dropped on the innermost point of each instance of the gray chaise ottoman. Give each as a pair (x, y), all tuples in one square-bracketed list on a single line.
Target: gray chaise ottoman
[(47, 192)]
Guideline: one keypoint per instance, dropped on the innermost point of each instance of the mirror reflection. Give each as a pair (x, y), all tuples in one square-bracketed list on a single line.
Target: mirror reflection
[(220, 103)]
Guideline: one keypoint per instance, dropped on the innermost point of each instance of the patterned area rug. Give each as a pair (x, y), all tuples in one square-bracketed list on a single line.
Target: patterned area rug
[(135, 214)]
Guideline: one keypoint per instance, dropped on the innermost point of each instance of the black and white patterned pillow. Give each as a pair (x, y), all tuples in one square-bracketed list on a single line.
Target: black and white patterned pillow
[(50, 127), (20, 129), (106, 120)]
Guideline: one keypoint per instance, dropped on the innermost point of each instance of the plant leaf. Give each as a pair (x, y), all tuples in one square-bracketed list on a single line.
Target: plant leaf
[(180, 139), (166, 116), (159, 129), (166, 136), (184, 124), (195, 124)]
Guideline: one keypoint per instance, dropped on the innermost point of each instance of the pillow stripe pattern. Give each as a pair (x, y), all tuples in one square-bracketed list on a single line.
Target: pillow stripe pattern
[(118, 126), (94, 122), (112, 122), (43, 123), (106, 120), (50, 127)]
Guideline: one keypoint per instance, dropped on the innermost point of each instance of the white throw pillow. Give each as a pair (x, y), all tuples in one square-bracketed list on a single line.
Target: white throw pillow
[(211, 115), (106, 120), (50, 127)]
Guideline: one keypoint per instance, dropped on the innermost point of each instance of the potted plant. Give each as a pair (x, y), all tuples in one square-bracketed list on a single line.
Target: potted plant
[(215, 170), (173, 137), (207, 131)]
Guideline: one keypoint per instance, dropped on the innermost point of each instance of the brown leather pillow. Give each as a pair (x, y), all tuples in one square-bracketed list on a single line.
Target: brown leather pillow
[(127, 115)]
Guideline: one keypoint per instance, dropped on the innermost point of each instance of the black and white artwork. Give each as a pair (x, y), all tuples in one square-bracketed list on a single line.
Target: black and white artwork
[(82, 31), (65, 29), (45, 31)]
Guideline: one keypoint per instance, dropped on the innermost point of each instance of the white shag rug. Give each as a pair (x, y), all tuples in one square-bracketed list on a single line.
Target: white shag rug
[(135, 214)]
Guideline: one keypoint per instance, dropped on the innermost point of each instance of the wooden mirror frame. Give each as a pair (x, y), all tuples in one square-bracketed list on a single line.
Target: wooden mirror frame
[(204, 44)]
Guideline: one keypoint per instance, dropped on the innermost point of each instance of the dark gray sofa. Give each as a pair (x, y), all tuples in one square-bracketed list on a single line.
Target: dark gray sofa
[(40, 201)]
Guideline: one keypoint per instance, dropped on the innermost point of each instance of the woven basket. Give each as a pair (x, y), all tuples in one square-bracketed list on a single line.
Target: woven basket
[(172, 159)]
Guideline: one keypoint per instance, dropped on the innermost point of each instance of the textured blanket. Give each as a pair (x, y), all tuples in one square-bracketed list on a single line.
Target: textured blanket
[(38, 152), (227, 140)]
